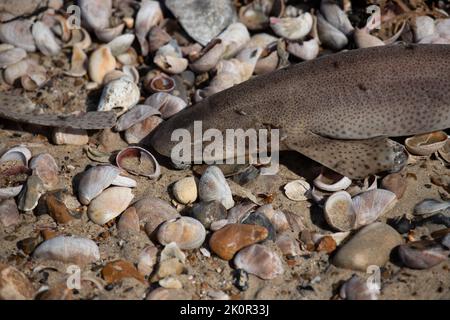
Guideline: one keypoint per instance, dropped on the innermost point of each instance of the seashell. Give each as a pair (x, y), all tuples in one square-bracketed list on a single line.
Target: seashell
[(11, 56), (130, 57), (147, 260), (364, 39), (78, 64), (277, 218), (101, 62), (307, 50), (422, 254), (18, 33), (213, 186), (18, 153), (81, 38), (18, 161), (45, 167), (138, 161), (170, 283), (121, 44), (185, 190), (426, 144), (78, 137), (169, 58), (209, 212), (255, 15), (336, 16), (395, 182), (369, 183), (288, 246), (357, 288), (331, 181), (329, 35), (131, 72), (209, 57), (114, 75), (98, 178), (423, 27), (371, 205), (444, 152), (137, 114), (161, 83), (129, 221), (167, 104), (35, 78), (14, 285), (45, 39), (109, 204), (67, 249), (260, 261), (292, 28), (95, 14), (9, 214), (119, 95), (149, 15), (267, 64), (157, 38), (138, 132), (118, 270), (234, 38), (430, 206), (61, 27), (16, 70), (186, 232), (297, 190), (109, 34), (339, 211)]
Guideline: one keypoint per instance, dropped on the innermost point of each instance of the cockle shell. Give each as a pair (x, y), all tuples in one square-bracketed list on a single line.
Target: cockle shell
[(11, 56), (97, 179), (45, 39), (119, 95), (101, 62), (78, 137), (260, 261), (95, 14), (166, 103), (188, 233), (169, 58), (307, 50), (109, 204), (149, 15), (329, 35), (426, 144), (297, 190), (292, 28), (331, 181), (213, 186), (336, 16), (68, 250), (18, 33), (121, 44), (137, 114), (144, 164)]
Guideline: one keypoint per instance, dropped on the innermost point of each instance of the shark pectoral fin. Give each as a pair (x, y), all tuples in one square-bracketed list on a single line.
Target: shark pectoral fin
[(355, 159)]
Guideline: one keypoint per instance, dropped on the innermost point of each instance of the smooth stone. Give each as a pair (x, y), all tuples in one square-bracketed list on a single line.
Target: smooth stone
[(185, 190), (208, 212), (14, 285), (233, 237), (57, 208), (9, 214), (258, 218), (260, 261), (121, 269), (188, 233), (422, 254), (203, 20), (129, 221), (372, 245)]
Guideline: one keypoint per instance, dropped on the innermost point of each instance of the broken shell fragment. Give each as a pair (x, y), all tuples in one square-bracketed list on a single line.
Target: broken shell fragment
[(422, 254), (260, 261), (149, 15), (147, 260), (119, 95), (78, 65), (13, 171), (169, 58), (45, 167), (138, 161), (292, 28), (213, 186), (101, 62), (331, 181), (68, 250), (297, 190), (188, 233), (336, 16), (109, 34), (306, 50), (109, 204), (372, 204), (137, 114), (45, 39), (426, 144), (364, 39), (157, 37)]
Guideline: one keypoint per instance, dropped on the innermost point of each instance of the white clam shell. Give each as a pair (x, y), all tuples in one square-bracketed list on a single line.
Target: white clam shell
[(324, 183), (119, 95), (45, 39), (169, 58), (372, 204), (108, 34), (188, 233), (109, 204), (234, 38), (11, 56), (137, 114), (18, 33), (336, 16), (307, 50), (423, 27), (101, 62), (79, 61), (95, 14), (213, 186), (292, 28), (166, 103), (121, 44), (329, 35), (339, 212), (149, 15), (97, 179), (68, 249), (297, 190)]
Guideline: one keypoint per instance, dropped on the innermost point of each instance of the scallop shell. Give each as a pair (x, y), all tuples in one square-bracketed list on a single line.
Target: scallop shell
[(213, 186), (149, 15), (260, 261), (292, 28), (95, 14), (149, 167), (45, 39), (11, 56), (119, 95), (97, 179), (188, 233), (68, 250), (426, 144), (331, 181), (137, 114), (297, 190), (169, 58), (18, 33), (121, 44), (166, 103), (101, 62), (109, 204)]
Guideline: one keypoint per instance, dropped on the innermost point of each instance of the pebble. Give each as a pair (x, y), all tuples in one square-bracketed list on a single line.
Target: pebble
[(168, 294), (185, 190), (372, 245), (240, 279), (14, 285), (208, 212), (9, 214), (170, 283), (57, 208), (188, 233), (213, 186), (326, 244), (120, 269), (147, 260), (260, 261), (422, 254), (129, 221), (169, 267), (257, 218), (233, 237)]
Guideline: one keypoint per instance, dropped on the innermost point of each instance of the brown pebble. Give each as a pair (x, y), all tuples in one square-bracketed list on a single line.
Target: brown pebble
[(9, 214), (48, 234), (233, 237), (120, 269), (14, 285), (57, 209), (395, 182), (326, 244), (129, 221)]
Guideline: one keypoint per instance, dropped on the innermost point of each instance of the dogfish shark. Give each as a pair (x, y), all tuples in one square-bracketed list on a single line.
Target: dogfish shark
[(338, 109)]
